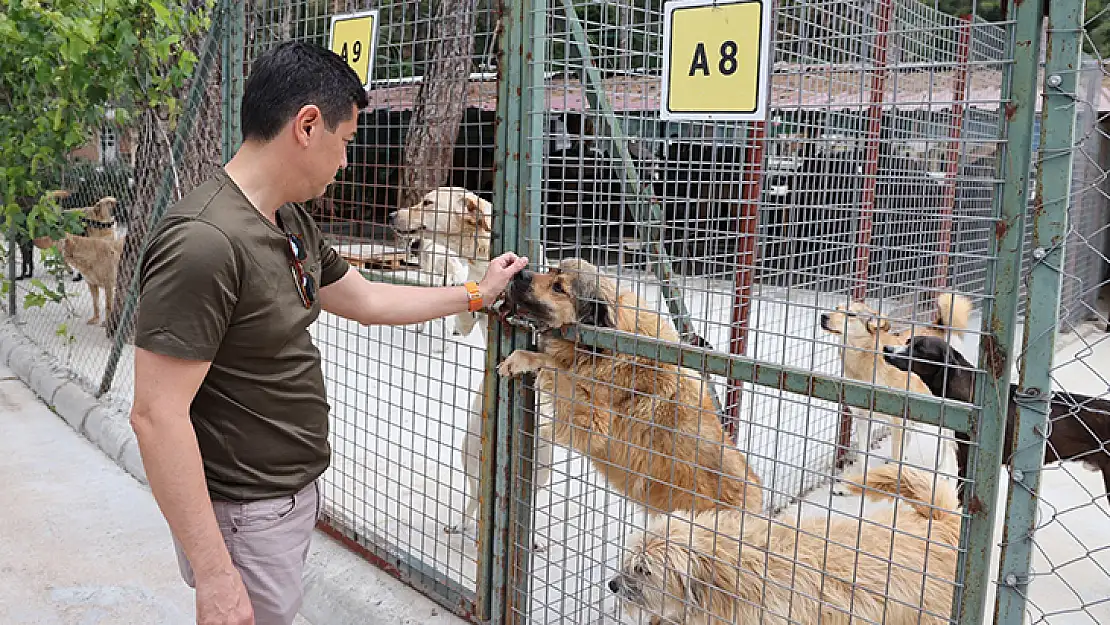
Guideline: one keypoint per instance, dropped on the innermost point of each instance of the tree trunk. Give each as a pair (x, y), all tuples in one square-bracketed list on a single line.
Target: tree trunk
[(152, 152), (440, 102)]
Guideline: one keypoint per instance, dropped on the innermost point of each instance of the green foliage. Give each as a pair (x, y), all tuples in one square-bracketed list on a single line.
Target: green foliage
[(62, 64)]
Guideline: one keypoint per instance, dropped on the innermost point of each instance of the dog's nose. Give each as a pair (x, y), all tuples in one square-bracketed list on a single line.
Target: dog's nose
[(523, 278), (614, 585)]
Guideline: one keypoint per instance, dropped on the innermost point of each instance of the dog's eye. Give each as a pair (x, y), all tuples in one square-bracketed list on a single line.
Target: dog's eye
[(558, 287)]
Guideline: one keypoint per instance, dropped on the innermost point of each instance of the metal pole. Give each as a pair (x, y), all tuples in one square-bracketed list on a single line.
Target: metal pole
[(1050, 220), (952, 157), (871, 151), (1019, 95), (162, 199), (495, 564), (747, 227)]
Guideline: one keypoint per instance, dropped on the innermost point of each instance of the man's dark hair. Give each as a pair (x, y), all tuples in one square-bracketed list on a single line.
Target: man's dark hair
[(292, 75)]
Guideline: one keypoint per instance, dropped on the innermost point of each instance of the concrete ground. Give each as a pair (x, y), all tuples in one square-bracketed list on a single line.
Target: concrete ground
[(82, 542)]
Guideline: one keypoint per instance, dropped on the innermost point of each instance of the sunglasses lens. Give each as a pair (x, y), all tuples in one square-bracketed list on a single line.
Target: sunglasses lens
[(309, 288), (297, 246)]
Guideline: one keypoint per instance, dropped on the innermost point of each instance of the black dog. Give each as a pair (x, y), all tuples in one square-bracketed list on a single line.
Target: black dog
[(1079, 426)]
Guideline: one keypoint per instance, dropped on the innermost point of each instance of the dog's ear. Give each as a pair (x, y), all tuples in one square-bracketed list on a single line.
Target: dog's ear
[(594, 300), (474, 213), (876, 324), (703, 578), (960, 377)]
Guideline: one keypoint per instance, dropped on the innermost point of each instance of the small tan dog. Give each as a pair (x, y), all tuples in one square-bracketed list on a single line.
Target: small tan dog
[(730, 567), (864, 334), (97, 259), (99, 219), (650, 428)]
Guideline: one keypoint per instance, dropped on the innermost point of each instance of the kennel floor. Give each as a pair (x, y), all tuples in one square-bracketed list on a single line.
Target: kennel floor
[(399, 411)]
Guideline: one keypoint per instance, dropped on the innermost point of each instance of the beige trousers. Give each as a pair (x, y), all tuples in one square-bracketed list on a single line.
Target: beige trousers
[(268, 541)]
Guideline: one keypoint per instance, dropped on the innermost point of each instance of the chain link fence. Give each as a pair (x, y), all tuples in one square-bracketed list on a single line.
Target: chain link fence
[(882, 174), (74, 296)]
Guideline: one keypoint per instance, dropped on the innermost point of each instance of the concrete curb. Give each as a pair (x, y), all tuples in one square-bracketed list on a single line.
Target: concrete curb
[(340, 587)]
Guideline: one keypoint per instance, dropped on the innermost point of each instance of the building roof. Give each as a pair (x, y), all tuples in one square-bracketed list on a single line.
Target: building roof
[(792, 87)]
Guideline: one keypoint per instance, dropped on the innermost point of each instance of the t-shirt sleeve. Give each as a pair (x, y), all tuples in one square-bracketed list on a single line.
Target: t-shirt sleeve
[(189, 286), (332, 265)]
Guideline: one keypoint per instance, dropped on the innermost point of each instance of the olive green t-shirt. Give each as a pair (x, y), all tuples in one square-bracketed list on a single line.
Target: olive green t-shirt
[(217, 285)]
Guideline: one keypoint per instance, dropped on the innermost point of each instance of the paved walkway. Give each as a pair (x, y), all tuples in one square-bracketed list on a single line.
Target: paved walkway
[(81, 541)]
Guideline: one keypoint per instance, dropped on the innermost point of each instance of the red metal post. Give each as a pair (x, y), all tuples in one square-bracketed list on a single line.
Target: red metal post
[(871, 153), (871, 180), (952, 156), (750, 193)]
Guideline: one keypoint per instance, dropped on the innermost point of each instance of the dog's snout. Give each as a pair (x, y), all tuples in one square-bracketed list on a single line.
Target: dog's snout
[(615, 585), (523, 278)]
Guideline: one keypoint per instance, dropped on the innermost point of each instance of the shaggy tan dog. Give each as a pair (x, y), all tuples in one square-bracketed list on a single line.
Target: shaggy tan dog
[(729, 567), (864, 334), (97, 259), (649, 427)]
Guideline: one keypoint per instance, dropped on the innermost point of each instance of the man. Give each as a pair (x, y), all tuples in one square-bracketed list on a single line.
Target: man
[(230, 409)]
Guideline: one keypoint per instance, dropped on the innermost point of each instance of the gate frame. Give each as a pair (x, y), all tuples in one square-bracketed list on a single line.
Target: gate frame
[(996, 347), (1049, 212)]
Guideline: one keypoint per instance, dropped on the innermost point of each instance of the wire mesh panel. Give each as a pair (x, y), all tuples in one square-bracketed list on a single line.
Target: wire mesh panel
[(859, 214)]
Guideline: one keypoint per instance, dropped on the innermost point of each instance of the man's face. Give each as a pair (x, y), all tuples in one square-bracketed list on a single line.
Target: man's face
[(327, 152)]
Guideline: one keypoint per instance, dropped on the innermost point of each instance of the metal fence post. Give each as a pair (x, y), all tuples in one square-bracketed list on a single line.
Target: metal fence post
[(1050, 217), (163, 199), (1018, 103), (11, 271), (495, 542), (233, 18)]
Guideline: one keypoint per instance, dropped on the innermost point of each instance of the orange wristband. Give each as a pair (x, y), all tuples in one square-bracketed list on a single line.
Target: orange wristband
[(474, 296)]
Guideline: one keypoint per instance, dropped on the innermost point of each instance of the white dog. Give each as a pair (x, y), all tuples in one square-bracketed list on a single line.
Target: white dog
[(461, 221), (444, 268)]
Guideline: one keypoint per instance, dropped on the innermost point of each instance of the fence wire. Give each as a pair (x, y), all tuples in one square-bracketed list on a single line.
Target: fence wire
[(875, 178)]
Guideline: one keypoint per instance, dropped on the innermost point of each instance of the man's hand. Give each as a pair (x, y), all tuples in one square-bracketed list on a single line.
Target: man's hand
[(501, 270), (222, 600)]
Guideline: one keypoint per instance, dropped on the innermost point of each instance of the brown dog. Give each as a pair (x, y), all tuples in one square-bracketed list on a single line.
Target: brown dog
[(897, 566), (864, 334), (97, 259), (99, 219), (649, 427)]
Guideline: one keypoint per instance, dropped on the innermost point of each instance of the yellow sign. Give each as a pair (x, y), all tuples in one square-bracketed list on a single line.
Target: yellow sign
[(717, 58), (354, 36)]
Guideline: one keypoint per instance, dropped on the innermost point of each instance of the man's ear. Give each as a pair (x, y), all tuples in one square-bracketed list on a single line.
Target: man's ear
[(308, 120), (475, 215)]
